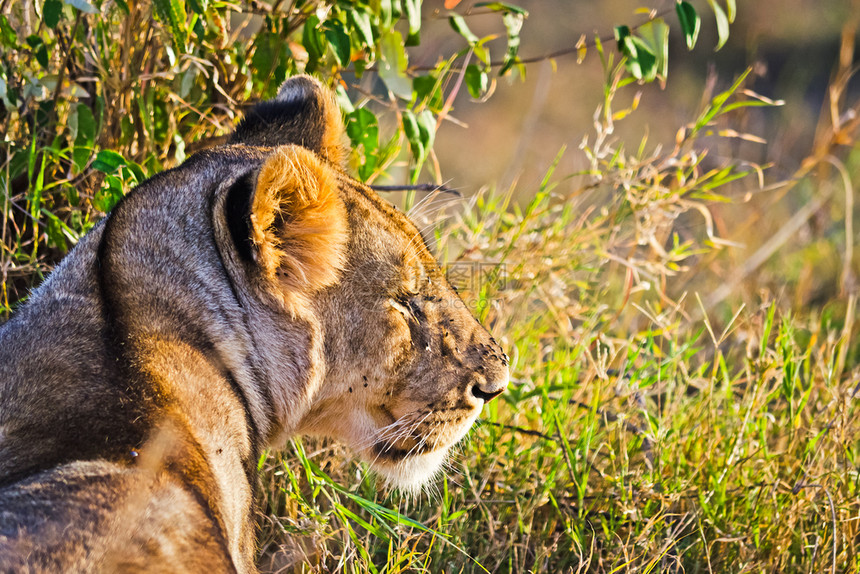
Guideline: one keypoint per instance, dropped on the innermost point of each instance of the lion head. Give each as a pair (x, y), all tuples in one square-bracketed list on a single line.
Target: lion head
[(396, 366)]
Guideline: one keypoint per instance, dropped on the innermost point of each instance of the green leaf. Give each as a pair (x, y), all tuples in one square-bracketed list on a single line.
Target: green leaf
[(644, 64), (413, 136), (122, 6), (386, 14), (366, 169), (265, 54), (396, 11), (110, 193), (722, 24), (476, 81), (427, 129), (482, 52), (312, 40), (412, 133), (187, 81), (42, 56), (136, 171), (621, 33), (80, 157), (502, 7), (690, 21), (338, 39), (83, 125), (362, 128), (108, 161), (199, 6), (655, 35), (718, 103), (641, 61), (54, 230), (732, 8), (360, 22), (363, 131), (373, 529), (459, 24), (392, 69), (343, 101), (413, 16), (420, 131), (4, 94), (428, 89), (52, 11), (39, 49), (172, 13), (513, 24), (8, 36)]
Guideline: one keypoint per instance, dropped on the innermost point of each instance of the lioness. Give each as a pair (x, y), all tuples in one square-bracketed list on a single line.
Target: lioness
[(253, 293)]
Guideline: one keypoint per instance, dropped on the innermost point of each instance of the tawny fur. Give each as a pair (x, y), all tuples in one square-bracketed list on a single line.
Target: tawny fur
[(298, 222), (253, 293)]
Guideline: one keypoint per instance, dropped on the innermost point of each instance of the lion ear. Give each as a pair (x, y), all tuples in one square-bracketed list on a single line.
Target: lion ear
[(303, 113), (297, 224)]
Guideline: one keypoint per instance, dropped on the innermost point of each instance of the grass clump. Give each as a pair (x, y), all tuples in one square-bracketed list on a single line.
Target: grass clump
[(647, 428)]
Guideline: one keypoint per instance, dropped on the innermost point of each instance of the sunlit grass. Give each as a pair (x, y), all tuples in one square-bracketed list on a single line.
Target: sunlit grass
[(645, 429), (694, 447)]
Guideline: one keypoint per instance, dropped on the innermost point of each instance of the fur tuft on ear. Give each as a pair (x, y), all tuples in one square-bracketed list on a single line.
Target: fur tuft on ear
[(303, 113), (298, 222)]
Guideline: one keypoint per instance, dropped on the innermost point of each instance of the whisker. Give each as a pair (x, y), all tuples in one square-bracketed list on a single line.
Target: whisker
[(415, 426), (387, 432), (419, 444), (434, 207), (416, 209), (403, 433), (433, 193), (418, 237)]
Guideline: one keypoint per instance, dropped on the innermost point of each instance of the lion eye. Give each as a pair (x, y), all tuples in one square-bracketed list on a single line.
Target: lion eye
[(399, 305), (405, 303)]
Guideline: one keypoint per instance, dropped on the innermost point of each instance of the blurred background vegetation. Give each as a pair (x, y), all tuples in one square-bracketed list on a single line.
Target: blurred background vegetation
[(662, 238)]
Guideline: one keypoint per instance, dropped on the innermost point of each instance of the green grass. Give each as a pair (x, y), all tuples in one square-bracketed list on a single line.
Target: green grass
[(677, 404), (682, 446)]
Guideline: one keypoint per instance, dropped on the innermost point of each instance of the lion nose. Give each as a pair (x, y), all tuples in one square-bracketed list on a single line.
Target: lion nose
[(488, 390)]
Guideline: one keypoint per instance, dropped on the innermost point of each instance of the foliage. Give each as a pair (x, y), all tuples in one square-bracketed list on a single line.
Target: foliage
[(98, 95), (645, 429)]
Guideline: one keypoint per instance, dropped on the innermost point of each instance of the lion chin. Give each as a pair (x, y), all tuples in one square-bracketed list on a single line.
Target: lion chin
[(413, 473)]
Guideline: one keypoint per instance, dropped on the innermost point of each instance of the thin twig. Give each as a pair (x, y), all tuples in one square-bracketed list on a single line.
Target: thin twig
[(520, 430), (563, 51), (417, 187), (62, 76)]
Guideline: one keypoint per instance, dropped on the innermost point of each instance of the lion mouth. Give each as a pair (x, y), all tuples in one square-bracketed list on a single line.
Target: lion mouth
[(401, 450)]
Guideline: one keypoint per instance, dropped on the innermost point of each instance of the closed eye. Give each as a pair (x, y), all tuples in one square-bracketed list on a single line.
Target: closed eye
[(401, 305), (405, 303)]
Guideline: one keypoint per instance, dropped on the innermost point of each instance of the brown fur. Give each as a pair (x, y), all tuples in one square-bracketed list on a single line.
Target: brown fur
[(253, 293)]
